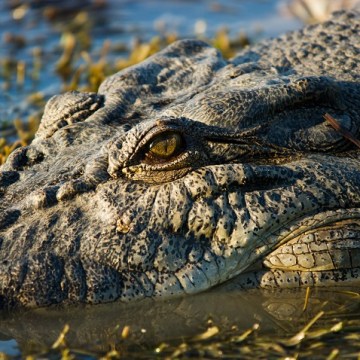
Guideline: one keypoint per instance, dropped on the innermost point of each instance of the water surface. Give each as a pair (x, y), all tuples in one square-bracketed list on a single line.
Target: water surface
[(272, 321), (32, 37)]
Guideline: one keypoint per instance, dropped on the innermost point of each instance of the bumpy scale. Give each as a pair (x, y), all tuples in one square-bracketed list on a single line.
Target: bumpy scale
[(188, 170)]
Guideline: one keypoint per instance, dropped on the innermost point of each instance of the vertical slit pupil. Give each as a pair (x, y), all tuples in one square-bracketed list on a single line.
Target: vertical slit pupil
[(166, 145)]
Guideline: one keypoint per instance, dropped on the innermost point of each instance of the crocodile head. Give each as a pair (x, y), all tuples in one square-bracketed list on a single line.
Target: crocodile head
[(188, 170)]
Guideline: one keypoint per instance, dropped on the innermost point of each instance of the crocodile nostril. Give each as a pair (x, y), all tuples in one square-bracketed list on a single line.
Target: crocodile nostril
[(68, 108)]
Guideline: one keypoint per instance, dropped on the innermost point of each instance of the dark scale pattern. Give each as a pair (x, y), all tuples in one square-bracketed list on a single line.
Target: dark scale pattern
[(188, 170)]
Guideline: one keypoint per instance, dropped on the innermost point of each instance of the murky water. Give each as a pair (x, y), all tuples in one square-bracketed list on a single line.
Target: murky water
[(246, 323), (31, 39)]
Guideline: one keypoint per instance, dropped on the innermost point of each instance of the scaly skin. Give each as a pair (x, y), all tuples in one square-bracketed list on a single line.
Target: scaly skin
[(188, 170)]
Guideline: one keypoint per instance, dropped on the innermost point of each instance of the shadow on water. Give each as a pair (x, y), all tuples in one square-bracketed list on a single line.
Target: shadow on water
[(271, 316)]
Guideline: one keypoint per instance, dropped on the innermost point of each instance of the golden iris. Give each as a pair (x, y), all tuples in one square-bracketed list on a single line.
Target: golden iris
[(166, 145)]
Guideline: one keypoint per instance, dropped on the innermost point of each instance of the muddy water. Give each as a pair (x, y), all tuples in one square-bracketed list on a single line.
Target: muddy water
[(31, 38), (246, 324)]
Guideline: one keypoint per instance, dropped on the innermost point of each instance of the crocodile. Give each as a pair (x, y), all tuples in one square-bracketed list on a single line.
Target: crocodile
[(188, 170)]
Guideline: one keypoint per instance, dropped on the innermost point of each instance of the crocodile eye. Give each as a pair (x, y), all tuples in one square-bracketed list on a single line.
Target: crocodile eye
[(166, 145)]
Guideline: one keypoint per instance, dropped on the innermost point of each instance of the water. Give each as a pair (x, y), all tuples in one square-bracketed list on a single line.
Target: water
[(273, 317), (33, 37), (28, 31)]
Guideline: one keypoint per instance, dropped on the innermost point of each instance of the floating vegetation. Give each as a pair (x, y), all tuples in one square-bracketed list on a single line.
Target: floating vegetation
[(324, 336)]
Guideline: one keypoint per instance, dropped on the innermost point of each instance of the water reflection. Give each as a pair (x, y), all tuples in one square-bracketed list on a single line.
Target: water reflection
[(279, 313)]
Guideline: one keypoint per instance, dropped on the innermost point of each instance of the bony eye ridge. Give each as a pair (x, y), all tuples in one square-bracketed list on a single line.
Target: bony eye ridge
[(166, 145)]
